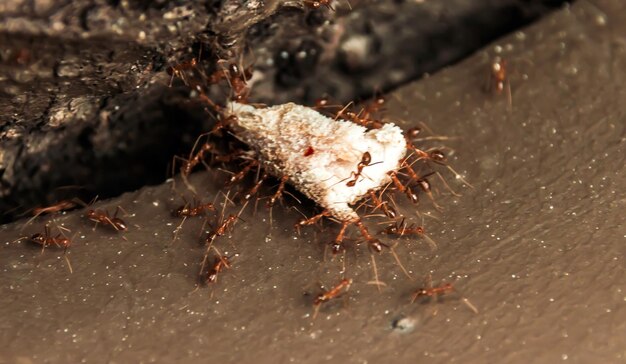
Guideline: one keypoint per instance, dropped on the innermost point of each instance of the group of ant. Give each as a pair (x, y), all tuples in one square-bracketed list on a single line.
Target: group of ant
[(237, 77), (61, 241)]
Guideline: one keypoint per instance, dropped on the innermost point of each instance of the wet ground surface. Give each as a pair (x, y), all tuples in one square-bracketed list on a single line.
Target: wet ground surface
[(537, 245)]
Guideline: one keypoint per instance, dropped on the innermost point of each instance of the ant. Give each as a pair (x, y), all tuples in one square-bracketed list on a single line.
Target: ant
[(189, 165), (46, 239), (59, 206), (402, 188), (438, 291), (498, 74), (432, 291), (177, 70), (220, 264), (366, 159), (401, 229), (498, 79), (437, 156), (373, 107), (236, 78), (103, 217), (190, 211), (330, 294), (221, 230)]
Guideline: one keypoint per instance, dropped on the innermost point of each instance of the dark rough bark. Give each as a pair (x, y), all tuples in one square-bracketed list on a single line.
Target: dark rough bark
[(84, 97)]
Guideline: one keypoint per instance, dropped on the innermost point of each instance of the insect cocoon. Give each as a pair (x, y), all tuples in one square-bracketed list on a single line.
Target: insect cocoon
[(319, 154)]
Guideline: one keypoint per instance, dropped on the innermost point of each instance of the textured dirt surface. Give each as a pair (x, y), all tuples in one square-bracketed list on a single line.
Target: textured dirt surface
[(537, 246)]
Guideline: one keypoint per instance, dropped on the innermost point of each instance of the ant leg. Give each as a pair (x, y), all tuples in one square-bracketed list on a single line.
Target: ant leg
[(374, 244), (397, 258), (402, 188), (336, 245), (279, 191), (383, 205)]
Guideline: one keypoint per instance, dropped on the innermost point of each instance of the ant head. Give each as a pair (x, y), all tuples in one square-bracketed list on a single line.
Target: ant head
[(437, 156), (412, 196), (413, 132), (422, 292), (367, 158), (234, 70), (392, 229), (211, 277), (181, 211), (336, 247), (38, 238), (376, 245)]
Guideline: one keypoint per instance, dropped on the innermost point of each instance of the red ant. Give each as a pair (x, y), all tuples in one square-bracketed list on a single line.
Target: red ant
[(190, 211), (330, 294), (373, 107), (103, 217), (432, 291), (401, 229), (189, 165), (46, 239), (59, 206), (366, 159), (438, 291), (221, 230), (498, 74), (220, 264), (402, 188), (435, 155), (59, 241), (498, 79), (236, 78), (178, 70)]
